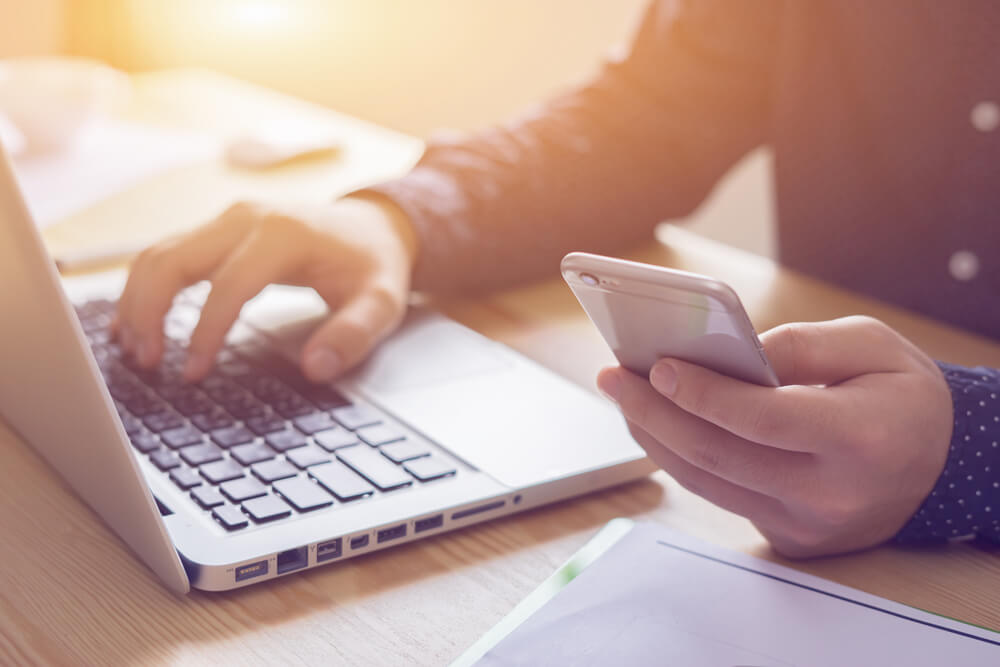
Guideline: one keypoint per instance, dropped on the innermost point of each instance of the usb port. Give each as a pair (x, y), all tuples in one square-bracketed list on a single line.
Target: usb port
[(428, 523), (293, 559), (393, 533), (359, 542), (251, 570), (329, 550)]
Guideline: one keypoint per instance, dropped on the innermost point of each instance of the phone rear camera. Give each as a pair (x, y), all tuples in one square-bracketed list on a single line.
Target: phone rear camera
[(588, 279)]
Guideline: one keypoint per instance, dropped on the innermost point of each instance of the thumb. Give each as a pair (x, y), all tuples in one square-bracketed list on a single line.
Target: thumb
[(834, 351), (350, 334)]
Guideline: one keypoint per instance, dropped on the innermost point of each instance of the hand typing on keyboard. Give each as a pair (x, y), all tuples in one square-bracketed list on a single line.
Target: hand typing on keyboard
[(357, 253), (253, 441)]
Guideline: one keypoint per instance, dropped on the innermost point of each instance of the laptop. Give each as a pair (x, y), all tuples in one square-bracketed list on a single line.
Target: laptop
[(255, 473)]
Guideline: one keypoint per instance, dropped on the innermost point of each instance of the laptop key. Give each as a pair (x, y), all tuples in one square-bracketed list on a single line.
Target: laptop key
[(181, 437), (212, 419), (252, 452), (132, 424), (197, 455), (335, 438), (270, 471), (144, 404), (267, 508), (207, 496), (303, 494), (304, 457), (293, 406), (242, 489), (325, 397), (374, 467), (341, 481), (232, 436), (266, 424), (398, 452), (355, 416), (185, 478), (428, 468), (162, 421), (313, 422), (221, 471), (282, 441), (380, 434), (193, 404), (145, 441), (230, 517), (164, 459)]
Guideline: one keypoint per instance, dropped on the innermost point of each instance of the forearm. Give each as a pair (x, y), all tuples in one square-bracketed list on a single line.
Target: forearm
[(965, 500), (598, 168)]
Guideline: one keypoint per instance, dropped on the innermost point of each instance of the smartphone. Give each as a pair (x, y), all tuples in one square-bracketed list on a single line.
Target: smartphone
[(648, 312)]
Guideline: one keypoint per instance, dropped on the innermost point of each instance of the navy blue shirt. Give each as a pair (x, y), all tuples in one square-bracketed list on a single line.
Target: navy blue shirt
[(884, 119), (965, 501)]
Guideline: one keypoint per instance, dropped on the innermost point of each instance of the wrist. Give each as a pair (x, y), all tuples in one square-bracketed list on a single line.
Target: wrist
[(395, 218)]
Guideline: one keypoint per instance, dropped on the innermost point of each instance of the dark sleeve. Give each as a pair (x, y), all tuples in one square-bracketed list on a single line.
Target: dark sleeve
[(598, 168), (965, 501)]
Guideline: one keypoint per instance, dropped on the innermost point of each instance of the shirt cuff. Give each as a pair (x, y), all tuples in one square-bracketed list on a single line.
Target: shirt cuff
[(965, 501)]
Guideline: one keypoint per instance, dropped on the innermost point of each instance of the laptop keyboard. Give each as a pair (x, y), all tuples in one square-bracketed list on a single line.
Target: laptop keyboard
[(254, 442)]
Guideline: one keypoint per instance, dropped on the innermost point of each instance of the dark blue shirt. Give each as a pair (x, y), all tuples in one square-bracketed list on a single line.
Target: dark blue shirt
[(884, 119), (965, 501)]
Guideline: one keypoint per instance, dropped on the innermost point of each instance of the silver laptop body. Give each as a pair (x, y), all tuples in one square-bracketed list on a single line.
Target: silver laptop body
[(515, 434)]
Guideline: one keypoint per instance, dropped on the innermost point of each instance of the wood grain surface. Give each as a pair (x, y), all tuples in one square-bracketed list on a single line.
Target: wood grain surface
[(71, 593)]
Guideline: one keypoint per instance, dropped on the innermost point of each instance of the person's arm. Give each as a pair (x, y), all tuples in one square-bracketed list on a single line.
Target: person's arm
[(965, 501), (594, 170), (598, 168)]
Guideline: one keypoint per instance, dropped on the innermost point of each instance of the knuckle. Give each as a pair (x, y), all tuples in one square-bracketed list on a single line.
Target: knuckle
[(277, 226), (870, 438), (799, 540), (241, 210), (760, 424), (388, 304), (697, 398), (707, 458), (155, 257), (351, 338), (835, 513), (795, 342)]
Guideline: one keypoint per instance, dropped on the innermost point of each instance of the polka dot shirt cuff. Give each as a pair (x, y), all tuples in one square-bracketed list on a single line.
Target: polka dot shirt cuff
[(965, 501)]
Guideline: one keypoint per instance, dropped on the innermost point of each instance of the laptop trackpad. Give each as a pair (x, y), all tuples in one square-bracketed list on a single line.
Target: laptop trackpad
[(511, 419), (428, 349)]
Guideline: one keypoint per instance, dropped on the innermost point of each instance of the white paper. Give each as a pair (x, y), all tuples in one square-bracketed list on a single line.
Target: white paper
[(107, 157), (660, 598)]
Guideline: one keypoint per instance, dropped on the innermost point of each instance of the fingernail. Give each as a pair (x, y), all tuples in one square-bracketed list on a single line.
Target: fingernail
[(323, 363), (610, 385), (663, 377)]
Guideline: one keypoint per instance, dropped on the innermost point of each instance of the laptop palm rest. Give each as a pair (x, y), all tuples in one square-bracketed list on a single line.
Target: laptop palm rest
[(512, 419)]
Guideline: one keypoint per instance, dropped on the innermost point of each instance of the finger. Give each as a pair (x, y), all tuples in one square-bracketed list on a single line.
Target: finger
[(249, 269), (796, 418), (828, 353), (758, 507), (161, 271), (768, 470), (349, 335)]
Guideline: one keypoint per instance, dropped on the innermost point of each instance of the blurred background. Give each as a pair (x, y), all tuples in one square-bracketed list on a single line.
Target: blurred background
[(412, 66)]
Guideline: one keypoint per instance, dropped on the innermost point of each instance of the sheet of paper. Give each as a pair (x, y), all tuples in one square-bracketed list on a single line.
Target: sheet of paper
[(108, 157), (660, 598)]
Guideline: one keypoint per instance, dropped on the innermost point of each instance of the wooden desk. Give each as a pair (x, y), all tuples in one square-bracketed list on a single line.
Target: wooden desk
[(71, 593)]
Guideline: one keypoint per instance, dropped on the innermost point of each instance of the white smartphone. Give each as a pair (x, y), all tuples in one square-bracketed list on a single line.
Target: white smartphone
[(648, 312)]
